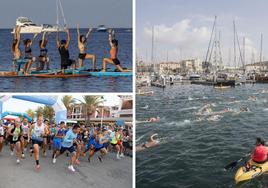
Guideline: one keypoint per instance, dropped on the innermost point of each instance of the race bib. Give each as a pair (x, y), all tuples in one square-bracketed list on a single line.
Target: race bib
[(16, 134)]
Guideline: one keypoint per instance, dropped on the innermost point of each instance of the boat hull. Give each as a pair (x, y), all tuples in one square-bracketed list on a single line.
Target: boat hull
[(242, 176), (68, 73)]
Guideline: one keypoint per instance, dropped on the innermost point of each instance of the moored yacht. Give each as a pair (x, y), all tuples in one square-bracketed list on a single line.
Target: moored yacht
[(27, 26)]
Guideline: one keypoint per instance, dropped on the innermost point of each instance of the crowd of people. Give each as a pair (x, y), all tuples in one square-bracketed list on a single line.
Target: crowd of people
[(36, 138), (25, 60)]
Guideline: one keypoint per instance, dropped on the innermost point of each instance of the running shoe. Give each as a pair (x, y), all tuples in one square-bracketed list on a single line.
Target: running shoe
[(54, 160), (18, 161), (12, 153), (117, 156), (71, 168), (37, 167)]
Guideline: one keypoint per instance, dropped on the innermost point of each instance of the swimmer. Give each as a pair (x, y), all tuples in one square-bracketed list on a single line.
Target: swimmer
[(207, 109), (215, 118), (244, 109), (145, 107), (150, 143), (153, 119), (252, 98)]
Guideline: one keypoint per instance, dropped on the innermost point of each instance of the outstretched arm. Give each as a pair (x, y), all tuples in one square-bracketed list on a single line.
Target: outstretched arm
[(34, 37), (152, 137), (58, 38), (78, 34), (110, 37), (43, 39), (68, 38), (89, 31), (18, 36)]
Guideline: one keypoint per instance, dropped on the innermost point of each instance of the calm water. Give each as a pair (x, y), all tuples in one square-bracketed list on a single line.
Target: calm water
[(97, 44), (193, 152)]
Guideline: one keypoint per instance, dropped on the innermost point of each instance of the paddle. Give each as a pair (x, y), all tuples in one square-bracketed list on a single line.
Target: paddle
[(235, 163)]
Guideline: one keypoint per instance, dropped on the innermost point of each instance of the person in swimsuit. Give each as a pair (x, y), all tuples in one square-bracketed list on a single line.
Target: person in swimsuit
[(82, 40), (15, 132), (113, 54), (43, 57), (150, 143), (17, 59), (28, 54), (37, 132), (63, 47)]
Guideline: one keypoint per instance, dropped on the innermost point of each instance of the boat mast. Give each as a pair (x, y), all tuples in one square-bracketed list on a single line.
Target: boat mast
[(244, 50), (261, 49), (210, 40), (234, 45), (152, 52), (261, 53), (57, 12)]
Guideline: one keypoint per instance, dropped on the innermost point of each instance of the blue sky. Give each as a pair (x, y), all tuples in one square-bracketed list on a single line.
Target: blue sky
[(183, 27), (16, 105), (112, 13)]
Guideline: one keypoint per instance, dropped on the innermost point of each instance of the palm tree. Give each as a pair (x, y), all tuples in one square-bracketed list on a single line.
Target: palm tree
[(49, 113), (39, 111), (68, 101), (90, 105), (30, 113)]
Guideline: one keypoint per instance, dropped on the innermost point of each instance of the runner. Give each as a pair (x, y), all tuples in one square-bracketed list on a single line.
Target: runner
[(15, 133), (10, 124), (46, 137), (24, 138), (2, 132), (37, 132), (57, 141), (68, 144), (78, 145), (116, 138), (95, 144), (17, 59), (82, 40), (43, 57), (113, 54), (63, 47)]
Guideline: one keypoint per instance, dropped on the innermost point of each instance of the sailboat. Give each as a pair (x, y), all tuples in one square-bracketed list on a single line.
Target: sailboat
[(220, 79), (27, 25)]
